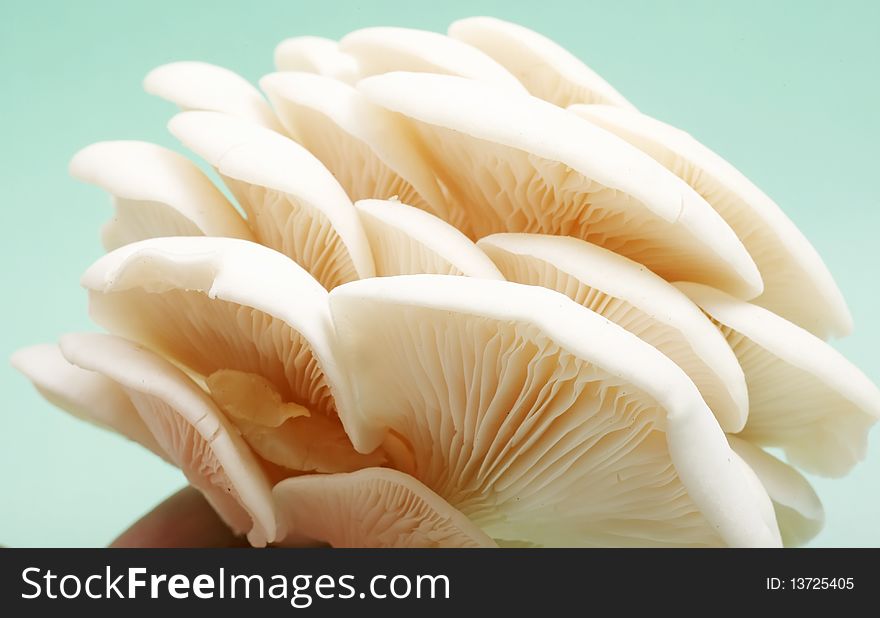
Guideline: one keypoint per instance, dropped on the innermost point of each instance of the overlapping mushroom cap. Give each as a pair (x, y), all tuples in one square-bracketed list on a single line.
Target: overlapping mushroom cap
[(466, 296)]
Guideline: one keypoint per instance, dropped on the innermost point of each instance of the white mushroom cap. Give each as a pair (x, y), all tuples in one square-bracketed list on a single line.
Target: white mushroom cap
[(804, 396), (204, 86), (799, 511), (546, 69), (315, 54), (368, 149), (156, 192), (222, 303), (218, 304), (630, 295), (187, 425), (409, 241), (385, 49), (520, 164), (293, 203), (87, 395), (539, 419), (374, 507), (790, 267)]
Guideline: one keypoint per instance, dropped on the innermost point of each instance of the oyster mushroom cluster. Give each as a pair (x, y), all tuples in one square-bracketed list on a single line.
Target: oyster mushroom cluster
[(466, 295)]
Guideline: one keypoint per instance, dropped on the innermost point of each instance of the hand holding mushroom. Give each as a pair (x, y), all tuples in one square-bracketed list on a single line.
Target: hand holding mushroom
[(474, 298)]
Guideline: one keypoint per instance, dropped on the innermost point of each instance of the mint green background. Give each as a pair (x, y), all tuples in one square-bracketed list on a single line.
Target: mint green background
[(787, 91)]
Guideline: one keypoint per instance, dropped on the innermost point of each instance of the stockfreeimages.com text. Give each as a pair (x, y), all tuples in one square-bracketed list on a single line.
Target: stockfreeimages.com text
[(300, 590)]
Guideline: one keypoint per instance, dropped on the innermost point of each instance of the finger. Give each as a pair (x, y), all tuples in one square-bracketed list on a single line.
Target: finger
[(183, 520)]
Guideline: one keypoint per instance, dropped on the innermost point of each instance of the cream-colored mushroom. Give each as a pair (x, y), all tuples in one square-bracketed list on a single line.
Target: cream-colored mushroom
[(546, 69), (628, 386), (539, 419), (187, 426), (375, 507), (315, 54), (156, 192), (208, 87), (369, 150), (87, 395), (516, 163), (630, 295), (409, 241), (799, 511), (804, 396), (790, 267), (386, 49), (285, 433), (214, 304), (293, 203)]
